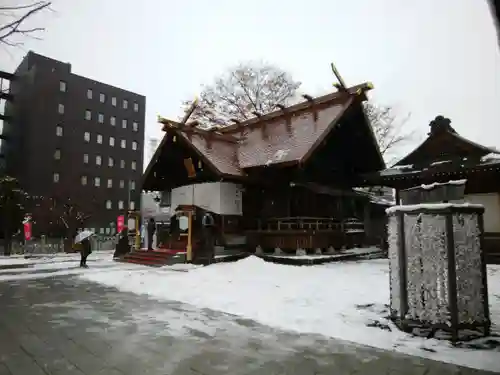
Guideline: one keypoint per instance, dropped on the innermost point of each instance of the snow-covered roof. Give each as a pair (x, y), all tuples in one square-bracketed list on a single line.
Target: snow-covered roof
[(431, 206)]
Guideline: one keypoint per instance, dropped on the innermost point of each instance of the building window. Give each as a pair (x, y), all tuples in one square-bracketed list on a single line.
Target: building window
[(110, 183), (134, 165), (132, 205), (132, 185), (135, 126), (60, 109), (111, 162), (59, 131), (111, 141), (134, 145), (89, 94), (101, 230), (120, 205), (55, 177), (125, 104), (86, 136), (108, 230), (88, 115), (124, 123), (113, 101), (100, 118), (112, 120), (62, 86), (136, 107), (122, 184), (123, 143), (84, 180), (102, 97), (108, 204), (97, 181), (98, 159), (122, 163), (99, 138), (85, 158), (57, 154)]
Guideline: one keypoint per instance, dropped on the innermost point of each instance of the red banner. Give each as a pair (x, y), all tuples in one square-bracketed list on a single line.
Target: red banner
[(27, 231), (120, 222)]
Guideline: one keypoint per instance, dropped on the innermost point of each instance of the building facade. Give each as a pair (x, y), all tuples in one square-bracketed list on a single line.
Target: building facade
[(70, 138)]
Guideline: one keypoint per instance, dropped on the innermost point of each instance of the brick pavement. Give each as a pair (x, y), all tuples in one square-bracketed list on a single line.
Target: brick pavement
[(65, 326)]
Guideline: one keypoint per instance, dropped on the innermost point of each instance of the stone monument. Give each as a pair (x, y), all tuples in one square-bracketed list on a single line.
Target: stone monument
[(437, 267)]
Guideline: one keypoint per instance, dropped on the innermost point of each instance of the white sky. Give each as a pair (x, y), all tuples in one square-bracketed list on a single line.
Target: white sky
[(426, 57)]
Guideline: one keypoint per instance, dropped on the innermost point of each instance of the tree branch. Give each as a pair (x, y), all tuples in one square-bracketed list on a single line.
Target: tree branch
[(15, 27), (389, 132), (247, 88)]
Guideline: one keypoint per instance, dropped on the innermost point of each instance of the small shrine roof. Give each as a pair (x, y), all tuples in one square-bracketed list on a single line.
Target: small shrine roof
[(443, 153)]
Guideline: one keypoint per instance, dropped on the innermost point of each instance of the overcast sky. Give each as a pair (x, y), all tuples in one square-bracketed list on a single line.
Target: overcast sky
[(427, 57)]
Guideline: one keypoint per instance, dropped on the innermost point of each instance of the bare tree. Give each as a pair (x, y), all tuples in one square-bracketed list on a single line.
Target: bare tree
[(389, 130), (12, 209), (242, 92), (14, 21), (61, 216)]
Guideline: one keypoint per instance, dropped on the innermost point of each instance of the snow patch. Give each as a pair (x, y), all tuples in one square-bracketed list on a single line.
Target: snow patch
[(491, 156), (430, 206), (343, 300), (436, 184)]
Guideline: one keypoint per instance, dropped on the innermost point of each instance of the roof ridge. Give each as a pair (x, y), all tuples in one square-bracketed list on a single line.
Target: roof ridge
[(354, 90)]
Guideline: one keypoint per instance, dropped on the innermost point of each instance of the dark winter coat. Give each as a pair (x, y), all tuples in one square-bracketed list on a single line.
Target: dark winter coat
[(122, 247), (86, 247)]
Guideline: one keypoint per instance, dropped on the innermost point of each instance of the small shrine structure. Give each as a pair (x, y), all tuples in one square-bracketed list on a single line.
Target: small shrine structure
[(283, 179), (443, 156)]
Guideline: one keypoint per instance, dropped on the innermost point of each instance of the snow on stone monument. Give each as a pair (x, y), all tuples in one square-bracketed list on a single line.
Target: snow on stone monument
[(437, 268)]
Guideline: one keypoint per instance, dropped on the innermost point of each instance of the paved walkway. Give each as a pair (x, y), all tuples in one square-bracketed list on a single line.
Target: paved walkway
[(66, 326)]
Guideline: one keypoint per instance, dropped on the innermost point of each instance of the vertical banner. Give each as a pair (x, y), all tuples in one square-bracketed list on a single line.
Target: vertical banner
[(120, 222), (27, 230)]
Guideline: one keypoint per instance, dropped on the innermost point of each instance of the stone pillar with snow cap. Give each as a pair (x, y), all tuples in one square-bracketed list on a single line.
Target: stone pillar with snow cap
[(438, 284)]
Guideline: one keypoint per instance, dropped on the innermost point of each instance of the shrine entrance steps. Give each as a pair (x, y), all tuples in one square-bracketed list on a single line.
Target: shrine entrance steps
[(154, 258)]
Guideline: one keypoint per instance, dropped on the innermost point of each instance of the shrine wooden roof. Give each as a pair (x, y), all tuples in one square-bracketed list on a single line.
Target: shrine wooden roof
[(443, 155), (284, 137)]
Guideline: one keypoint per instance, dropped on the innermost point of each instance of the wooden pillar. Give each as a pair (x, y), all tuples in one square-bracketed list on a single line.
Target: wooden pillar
[(367, 220), (403, 291), (484, 277), (452, 277), (189, 246), (397, 198)]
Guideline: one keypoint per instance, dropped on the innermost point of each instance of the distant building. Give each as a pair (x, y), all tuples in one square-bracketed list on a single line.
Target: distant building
[(153, 145), (70, 137)]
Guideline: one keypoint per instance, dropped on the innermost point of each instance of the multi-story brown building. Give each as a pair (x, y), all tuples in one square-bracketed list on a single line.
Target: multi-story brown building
[(72, 138)]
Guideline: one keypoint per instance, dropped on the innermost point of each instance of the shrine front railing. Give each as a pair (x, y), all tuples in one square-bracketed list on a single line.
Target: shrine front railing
[(299, 223), (293, 233)]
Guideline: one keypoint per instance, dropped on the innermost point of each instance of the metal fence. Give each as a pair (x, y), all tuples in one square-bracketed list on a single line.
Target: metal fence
[(56, 245)]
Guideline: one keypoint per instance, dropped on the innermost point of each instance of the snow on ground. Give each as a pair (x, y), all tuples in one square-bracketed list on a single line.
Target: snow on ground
[(21, 259), (336, 300), (51, 265), (13, 261)]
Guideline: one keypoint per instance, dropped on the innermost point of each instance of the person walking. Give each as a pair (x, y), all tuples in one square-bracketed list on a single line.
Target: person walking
[(86, 250), (151, 232), (122, 246)]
